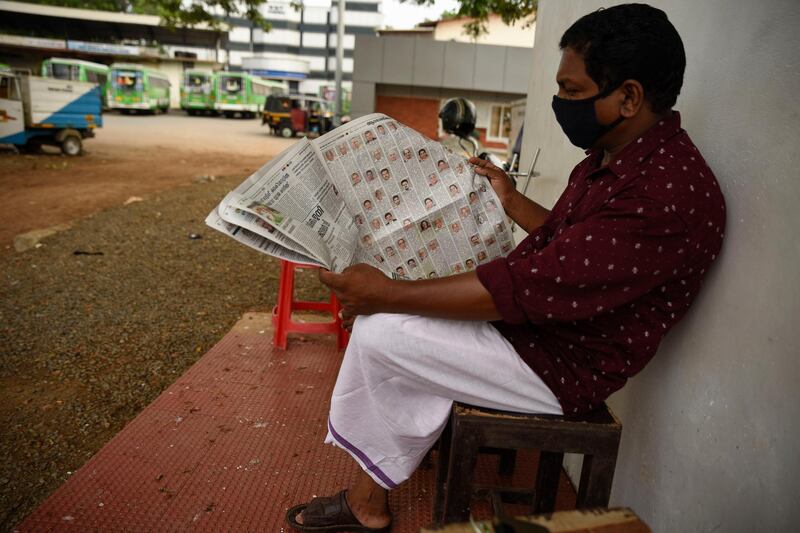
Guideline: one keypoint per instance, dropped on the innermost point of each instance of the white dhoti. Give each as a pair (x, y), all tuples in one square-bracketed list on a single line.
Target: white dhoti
[(400, 377)]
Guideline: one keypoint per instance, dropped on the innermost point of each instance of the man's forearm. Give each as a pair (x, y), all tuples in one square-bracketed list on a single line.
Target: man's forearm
[(525, 212), (460, 297)]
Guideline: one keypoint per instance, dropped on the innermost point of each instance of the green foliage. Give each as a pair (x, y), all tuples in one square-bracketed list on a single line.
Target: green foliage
[(182, 13), (176, 13), (510, 11), (124, 6), (448, 14)]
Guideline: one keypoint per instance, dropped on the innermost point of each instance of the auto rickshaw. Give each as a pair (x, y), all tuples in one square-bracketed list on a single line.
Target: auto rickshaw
[(288, 115)]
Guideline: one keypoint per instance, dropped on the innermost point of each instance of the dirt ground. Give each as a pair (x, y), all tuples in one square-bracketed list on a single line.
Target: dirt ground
[(101, 317), (131, 156)]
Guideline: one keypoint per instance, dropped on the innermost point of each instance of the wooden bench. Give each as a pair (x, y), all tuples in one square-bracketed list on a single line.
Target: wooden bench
[(471, 430)]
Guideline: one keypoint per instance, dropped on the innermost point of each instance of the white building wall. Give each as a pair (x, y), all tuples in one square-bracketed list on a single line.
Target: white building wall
[(316, 16), (239, 34), (711, 428), (277, 36), (314, 40)]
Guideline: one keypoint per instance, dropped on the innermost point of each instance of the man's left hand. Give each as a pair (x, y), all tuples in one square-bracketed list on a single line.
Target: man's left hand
[(361, 290)]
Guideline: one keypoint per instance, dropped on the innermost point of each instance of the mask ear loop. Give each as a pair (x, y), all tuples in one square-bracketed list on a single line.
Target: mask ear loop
[(604, 94)]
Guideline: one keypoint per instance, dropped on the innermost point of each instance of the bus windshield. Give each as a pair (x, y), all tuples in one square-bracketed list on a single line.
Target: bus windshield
[(196, 82), (127, 80), (63, 71), (231, 85)]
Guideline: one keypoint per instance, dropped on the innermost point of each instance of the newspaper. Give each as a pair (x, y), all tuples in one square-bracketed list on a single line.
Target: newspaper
[(371, 191)]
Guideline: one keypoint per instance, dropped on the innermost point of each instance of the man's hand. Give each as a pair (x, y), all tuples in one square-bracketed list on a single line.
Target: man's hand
[(500, 181), (361, 290), (525, 212)]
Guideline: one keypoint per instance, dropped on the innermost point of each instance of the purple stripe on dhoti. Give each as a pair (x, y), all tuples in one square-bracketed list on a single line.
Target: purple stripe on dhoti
[(372, 467)]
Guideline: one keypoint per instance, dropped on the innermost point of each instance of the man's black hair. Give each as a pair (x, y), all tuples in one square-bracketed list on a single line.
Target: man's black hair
[(631, 41)]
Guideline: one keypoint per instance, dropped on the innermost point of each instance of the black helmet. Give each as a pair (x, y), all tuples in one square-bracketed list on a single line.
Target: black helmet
[(458, 116)]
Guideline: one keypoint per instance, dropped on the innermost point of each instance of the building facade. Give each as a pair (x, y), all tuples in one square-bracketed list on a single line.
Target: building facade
[(409, 76), (301, 46)]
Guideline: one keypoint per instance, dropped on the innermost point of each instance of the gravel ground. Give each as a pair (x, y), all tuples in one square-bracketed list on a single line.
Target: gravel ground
[(101, 318)]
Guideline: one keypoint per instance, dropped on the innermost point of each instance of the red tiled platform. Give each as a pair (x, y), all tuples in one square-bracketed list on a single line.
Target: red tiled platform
[(230, 446)]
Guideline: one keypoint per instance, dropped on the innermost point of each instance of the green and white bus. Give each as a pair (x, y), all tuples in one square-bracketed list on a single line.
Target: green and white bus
[(197, 91), (78, 70), (240, 92), (136, 88)]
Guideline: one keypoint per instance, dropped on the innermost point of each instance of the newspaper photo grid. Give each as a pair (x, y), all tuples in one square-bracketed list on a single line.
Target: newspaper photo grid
[(371, 191)]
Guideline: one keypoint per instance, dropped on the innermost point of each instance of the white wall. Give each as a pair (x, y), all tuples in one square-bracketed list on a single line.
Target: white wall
[(711, 427)]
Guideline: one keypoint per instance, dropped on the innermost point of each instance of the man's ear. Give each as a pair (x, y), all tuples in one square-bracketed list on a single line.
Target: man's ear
[(633, 101)]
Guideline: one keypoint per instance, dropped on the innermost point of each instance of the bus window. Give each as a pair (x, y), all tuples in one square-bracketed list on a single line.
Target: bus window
[(196, 83), (159, 83), (127, 80), (232, 85), (61, 71), (101, 79)]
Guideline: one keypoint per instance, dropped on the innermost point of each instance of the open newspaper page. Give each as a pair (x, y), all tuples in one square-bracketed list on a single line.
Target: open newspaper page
[(292, 203), (256, 241), (420, 209)]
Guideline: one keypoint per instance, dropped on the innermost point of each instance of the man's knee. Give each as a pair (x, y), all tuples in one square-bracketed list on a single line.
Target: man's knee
[(373, 334)]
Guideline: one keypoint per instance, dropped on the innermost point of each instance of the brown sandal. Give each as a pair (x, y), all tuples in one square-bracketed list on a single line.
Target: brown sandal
[(329, 513)]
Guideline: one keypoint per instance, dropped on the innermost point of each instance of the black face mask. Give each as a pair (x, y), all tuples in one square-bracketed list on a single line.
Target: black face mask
[(578, 119)]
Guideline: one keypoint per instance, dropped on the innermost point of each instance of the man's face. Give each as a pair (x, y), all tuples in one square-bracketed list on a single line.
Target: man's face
[(575, 84)]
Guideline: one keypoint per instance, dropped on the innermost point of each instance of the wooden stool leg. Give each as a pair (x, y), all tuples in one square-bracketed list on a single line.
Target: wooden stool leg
[(597, 474), (547, 477), (442, 463), (461, 465)]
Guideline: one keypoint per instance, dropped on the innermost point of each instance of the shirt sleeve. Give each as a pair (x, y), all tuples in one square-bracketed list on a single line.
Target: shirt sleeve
[(626, 249)]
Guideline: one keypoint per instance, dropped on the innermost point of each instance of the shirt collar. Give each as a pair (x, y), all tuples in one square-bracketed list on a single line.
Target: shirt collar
[(640, 148)]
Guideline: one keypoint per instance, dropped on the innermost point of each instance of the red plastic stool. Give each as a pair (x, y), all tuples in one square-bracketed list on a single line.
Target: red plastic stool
[(282, 313)]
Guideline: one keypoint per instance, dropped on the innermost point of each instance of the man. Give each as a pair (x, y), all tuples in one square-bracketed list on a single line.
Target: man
[(578, 307)]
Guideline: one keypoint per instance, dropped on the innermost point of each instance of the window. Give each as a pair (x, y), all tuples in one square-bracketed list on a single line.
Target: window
[(127, 80), (158, 83), (499, 123), (62, 71), (230, 85), (9, 88)]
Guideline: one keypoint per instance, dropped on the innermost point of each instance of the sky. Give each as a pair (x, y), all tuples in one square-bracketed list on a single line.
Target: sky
[(405, 15)]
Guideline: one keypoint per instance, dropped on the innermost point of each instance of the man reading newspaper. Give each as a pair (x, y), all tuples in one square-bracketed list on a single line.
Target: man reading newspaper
[(576, 309)]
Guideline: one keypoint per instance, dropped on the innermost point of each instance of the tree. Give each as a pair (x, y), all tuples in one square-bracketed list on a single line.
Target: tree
[(176, 13), (478, 12)]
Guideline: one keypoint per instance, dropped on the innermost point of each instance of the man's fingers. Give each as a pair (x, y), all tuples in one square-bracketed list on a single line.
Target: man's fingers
[(347, 323), (328, 278)]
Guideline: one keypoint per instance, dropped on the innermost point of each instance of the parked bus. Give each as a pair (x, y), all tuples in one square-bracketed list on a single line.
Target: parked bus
[(78, 70), (240, 92), (197, 91), (136, 88)]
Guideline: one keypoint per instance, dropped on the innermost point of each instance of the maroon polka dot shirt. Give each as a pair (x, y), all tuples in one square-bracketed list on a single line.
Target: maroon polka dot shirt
[(586, 298)]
